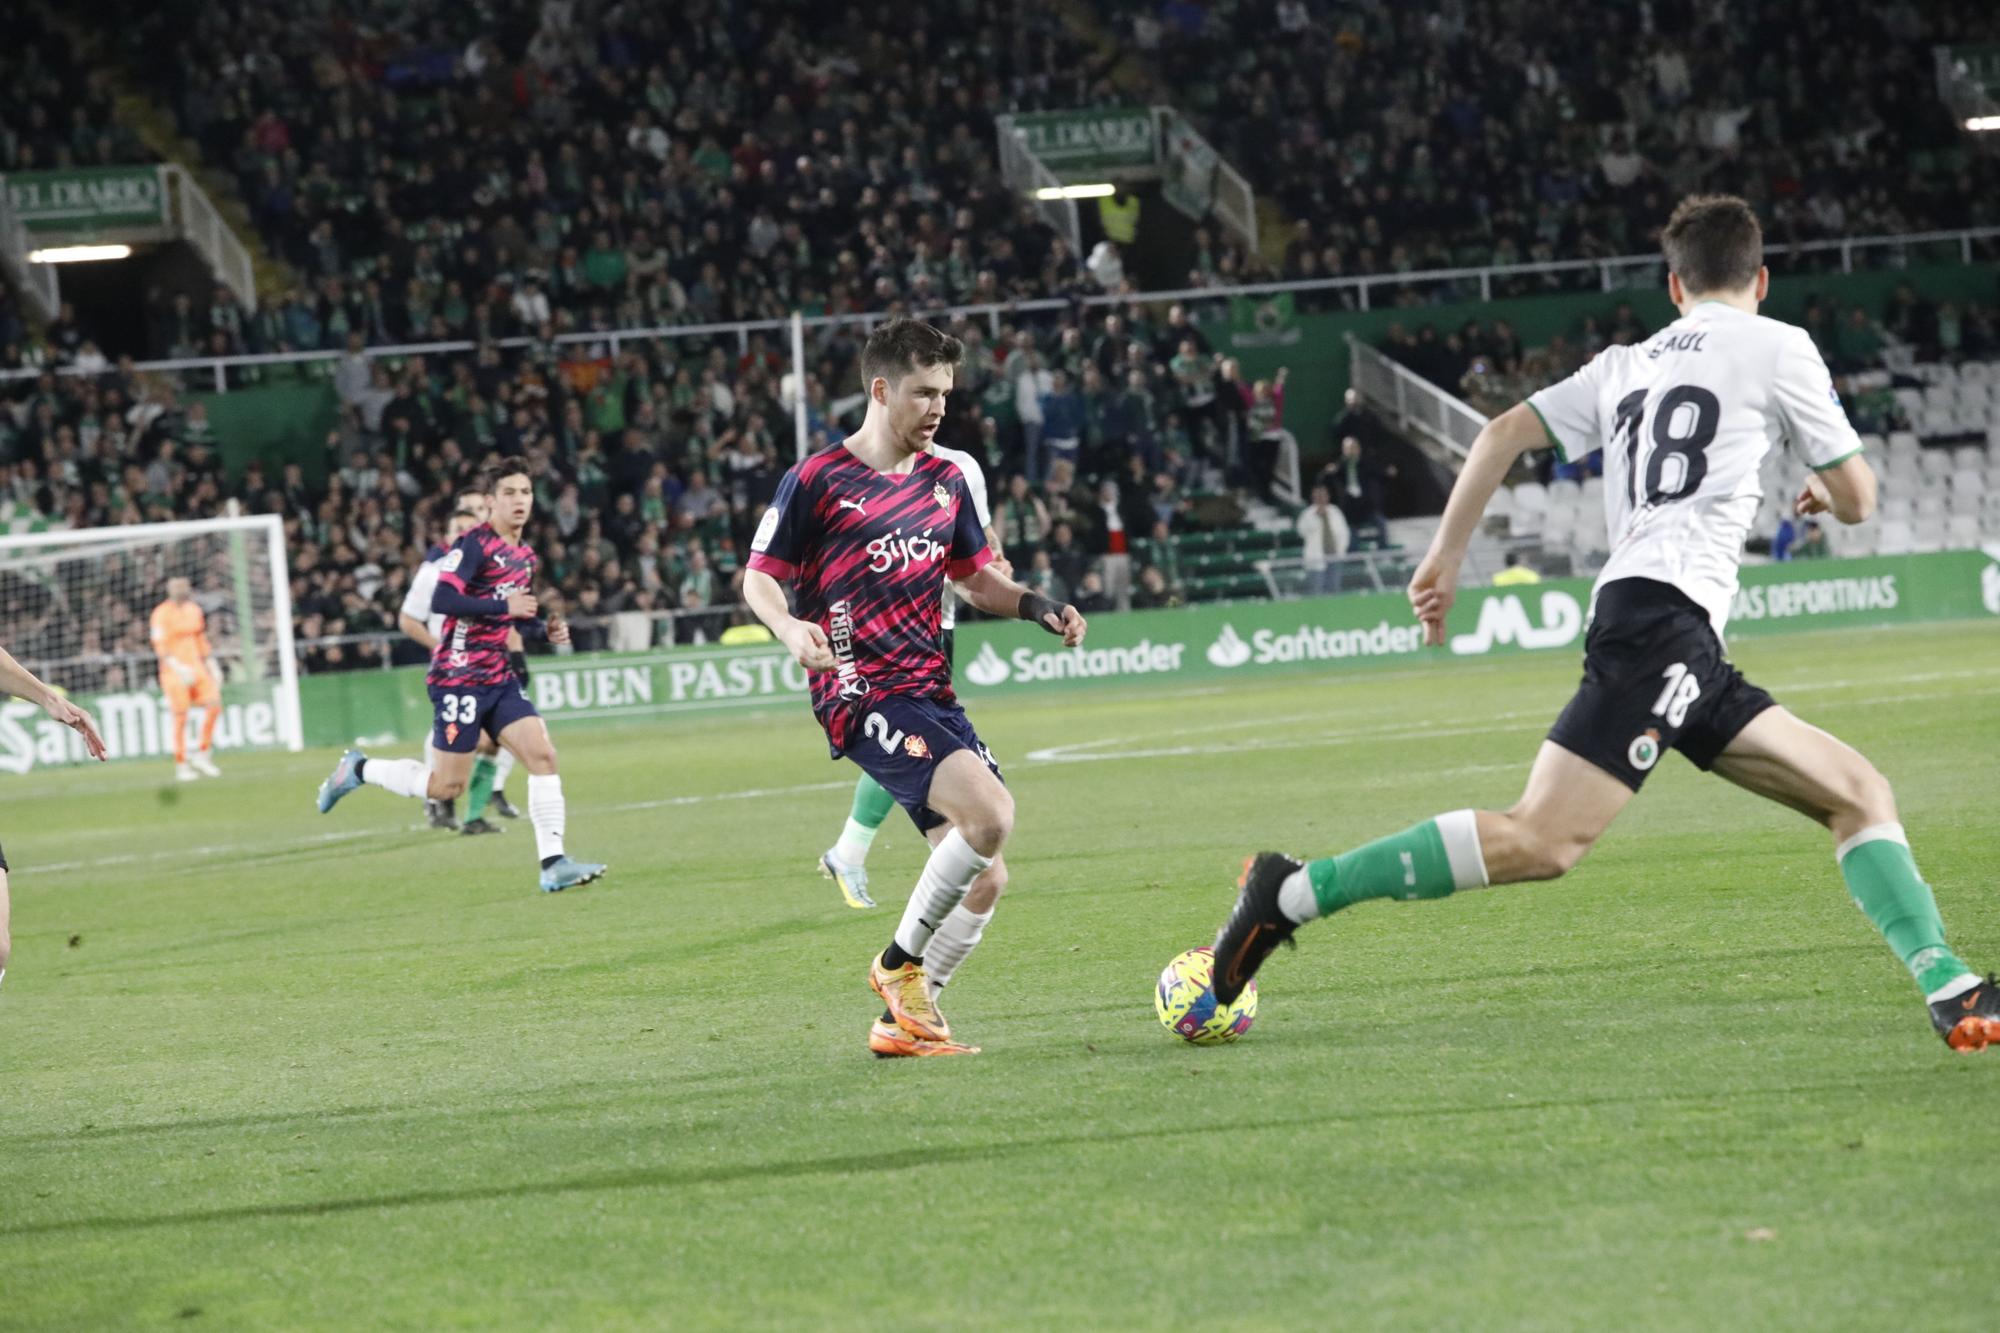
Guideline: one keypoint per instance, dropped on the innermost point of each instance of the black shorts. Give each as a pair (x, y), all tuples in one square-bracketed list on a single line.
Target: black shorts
[(1654, 679)]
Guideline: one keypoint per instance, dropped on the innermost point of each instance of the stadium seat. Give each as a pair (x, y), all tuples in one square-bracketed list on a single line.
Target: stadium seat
[(1563, 491), (1911, 401), (1895, 538), (1969, 457), (1935, 462), (1903, 440), (1962, 531)]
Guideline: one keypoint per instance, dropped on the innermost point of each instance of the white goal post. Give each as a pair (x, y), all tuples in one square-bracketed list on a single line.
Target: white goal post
[(75, 607)]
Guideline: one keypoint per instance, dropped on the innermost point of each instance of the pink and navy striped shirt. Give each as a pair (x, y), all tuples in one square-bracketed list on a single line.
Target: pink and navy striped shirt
[(472, 650), (868, 554)]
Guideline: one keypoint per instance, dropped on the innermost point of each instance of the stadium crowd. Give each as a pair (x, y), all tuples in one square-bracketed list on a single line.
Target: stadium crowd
[(1101, 438), (1452, 135), (437, 171)]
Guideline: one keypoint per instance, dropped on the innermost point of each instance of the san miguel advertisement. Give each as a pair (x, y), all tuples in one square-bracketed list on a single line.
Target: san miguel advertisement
[(1203, 644)]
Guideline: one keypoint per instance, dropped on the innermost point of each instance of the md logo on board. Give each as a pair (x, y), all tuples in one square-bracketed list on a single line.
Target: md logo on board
[(1503, 620)]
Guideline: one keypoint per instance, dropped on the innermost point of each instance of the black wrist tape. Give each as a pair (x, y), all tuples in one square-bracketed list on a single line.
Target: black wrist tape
[(1034, 606)]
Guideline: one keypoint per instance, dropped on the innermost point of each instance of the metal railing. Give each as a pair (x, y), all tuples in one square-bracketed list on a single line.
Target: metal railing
[(624, 631), (1610, 276), (1026, 173), (201, 226), (1410, 402), (1220, 187), (37, 281)]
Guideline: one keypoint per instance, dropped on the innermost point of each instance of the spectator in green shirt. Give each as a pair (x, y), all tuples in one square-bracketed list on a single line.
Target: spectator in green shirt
[(604, 263)]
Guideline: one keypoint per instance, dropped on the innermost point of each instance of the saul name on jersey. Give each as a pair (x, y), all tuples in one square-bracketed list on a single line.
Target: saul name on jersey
[(472, 650), (1684, 420), (868, 554)]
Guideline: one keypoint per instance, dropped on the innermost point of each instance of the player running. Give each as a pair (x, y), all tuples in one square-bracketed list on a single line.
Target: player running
[(425, 625), (846, 862), (1684, 419), (867, 532), (189, 676), (484, 588), (20, 682)]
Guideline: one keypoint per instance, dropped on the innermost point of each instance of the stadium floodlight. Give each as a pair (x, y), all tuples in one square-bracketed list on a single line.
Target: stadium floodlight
[(78, 254), (74, 604), (1978, 124), (1099, 191)]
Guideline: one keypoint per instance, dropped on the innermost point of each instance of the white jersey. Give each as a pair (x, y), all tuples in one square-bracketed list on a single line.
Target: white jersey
[(975, 482), (1685, 419), (417, 601)]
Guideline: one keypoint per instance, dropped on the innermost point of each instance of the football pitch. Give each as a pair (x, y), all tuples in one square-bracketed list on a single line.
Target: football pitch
[(260, 1067)]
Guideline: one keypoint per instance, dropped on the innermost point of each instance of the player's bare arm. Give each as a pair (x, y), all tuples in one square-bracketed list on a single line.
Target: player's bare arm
[(1846, 490), (417, 630), (998, 595), (22, 683), (805, 640), (1501, 442)]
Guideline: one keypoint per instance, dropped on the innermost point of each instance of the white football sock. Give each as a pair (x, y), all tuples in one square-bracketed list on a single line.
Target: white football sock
[(1296, 899), (957, 935), (405, 777), (855, 839), (503, 764), (546, 811), (1954, 988), (952, 867)]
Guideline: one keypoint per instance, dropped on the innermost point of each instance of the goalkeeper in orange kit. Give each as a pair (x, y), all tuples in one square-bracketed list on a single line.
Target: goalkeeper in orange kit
[(189, 676)]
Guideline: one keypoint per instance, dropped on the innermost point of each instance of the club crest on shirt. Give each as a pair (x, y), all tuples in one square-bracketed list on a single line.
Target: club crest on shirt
[(450, 733), (941, 495), (916, 746)]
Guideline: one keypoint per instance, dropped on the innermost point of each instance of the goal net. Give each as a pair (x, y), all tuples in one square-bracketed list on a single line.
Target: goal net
[(75, 608)]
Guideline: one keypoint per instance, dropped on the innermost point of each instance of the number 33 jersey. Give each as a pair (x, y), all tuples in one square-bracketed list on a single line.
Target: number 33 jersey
[(1685, 419)]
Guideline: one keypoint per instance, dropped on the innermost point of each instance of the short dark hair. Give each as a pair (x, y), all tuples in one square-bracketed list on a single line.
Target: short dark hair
[(901, 345), (511, 466), (1713, 243)]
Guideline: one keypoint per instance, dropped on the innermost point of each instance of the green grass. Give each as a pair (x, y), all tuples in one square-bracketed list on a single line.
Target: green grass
[(260, 1067)]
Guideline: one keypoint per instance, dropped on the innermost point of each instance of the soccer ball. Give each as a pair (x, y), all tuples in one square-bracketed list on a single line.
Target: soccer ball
[(1186, 1003)]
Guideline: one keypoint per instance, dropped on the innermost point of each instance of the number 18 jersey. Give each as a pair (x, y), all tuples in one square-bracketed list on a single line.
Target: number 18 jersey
[(1685, 419)]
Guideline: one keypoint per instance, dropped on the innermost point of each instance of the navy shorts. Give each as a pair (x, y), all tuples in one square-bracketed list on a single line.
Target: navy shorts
[(463, 711), (901, 741)]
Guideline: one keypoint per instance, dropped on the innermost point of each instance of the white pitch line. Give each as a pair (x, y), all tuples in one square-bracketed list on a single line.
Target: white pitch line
[(750, 795), (206, 849), (355, 835)]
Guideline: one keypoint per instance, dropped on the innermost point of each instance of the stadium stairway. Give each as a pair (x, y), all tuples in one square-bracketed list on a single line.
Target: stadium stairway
[(1132, 74), (156, 128)]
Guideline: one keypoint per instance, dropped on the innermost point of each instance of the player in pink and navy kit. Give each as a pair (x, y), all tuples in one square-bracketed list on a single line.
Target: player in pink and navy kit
[(868, 532), (485, 587)]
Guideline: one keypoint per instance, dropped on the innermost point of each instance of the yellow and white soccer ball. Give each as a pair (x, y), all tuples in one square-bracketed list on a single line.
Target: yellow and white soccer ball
[(1186, 1001)]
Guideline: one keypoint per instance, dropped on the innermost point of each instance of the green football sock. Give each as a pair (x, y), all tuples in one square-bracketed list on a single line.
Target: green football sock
[(1415, 863), (872, 803), (483, 769), (1882, 876)]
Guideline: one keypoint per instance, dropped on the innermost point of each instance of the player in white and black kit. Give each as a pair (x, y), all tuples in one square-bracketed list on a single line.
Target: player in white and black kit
[(1684, 420), (846, 862)]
